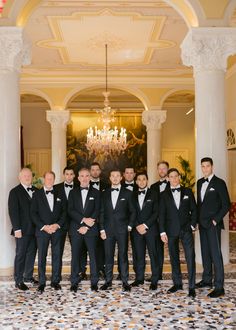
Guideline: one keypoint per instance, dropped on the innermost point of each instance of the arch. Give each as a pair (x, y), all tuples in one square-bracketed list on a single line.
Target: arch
[(173, 91), (134, 91), (38, 93)]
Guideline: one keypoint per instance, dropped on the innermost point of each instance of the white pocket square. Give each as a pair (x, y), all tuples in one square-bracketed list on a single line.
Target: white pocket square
[(149, 200), (91, 198), (122, 199), (186, 197), (58, 200), (212, 189)]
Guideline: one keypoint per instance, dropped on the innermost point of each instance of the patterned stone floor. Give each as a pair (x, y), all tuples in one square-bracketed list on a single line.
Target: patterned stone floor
[(140, 309)]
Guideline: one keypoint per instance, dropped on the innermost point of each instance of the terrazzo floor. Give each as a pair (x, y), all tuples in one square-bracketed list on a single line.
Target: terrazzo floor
[(140, 309)]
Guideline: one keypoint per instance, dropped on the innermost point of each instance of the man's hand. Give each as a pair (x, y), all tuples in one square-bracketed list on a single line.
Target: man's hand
[(164, 238), (103, 235), (214, 222), (18, 234), (141, 229), (47, 229), (54, 227), (89, 221), (83, 230)]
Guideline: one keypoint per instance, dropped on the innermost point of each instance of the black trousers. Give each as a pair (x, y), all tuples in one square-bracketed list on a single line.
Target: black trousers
[(110, 243), (62, 243), (186, 237), (140, 243), (210, 239), (26, 249), (43, 240), (100, 254), (77, 250), (160, 254)]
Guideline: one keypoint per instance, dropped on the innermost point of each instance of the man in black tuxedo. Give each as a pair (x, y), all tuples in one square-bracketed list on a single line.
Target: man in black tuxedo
[(48, 213), (63, 190), (213, 204), (117, 218), (178, 218), (159, 187), (19, 202), (128, 182), (144, 234), (83, 209)]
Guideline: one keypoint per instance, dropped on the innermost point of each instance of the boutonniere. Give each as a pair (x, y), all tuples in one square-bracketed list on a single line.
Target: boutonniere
[(212, 189), (58, 200), (91, 198), (186, 197)]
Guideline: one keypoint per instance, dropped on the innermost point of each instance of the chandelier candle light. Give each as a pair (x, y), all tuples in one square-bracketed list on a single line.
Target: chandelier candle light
[(106, 140)]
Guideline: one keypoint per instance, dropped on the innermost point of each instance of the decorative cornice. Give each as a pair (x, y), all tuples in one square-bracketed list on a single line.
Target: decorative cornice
[(58, 119), (14, 49), (208, 48), (153, 119)]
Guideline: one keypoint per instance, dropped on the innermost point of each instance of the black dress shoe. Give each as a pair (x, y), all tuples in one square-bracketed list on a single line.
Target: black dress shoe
[(175, 288), (41, 288), (118, 278), (22, 286), (82, 276), (137, 283), (192, 293), (74, 288), (31, 280), (56, 286), (94, 287), (153, 286), (203, 284), (106, 286), (126, 287), (101, 275), (216, 293), (149, 279)]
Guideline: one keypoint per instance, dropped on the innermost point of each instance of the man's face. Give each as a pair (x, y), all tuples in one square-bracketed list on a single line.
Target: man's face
[(174, 179), (162, 170), (142, 181), (84, 178), (49, 180), (95, 171), (26, 177), (207, 169), (69, 176), (129, 174), (115, 178)]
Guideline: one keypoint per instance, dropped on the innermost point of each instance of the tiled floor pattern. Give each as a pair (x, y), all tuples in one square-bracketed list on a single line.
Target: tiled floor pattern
[(140, 309)]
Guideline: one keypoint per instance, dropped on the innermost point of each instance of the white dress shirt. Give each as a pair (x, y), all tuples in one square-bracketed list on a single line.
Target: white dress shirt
[(205, 185), (131, 188), (96, 185), (141, 197), (68, 189), (176, 195), (50, 198), (162, 185), (114, 195), (84, 193)]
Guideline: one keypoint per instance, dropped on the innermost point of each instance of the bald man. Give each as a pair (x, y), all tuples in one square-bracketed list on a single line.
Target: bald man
[(23, 230)]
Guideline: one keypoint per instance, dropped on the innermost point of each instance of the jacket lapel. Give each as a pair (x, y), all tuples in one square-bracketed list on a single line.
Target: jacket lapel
[(209, 187), (87, 198), (146, 198), (45, 201), (172, 198)]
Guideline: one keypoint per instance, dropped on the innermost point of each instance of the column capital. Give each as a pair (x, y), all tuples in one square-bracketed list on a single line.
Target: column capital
[(153, 119), (15, 48), (58, 118), (208, 48)]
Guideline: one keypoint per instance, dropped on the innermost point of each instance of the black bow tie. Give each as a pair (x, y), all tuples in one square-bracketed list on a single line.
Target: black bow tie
[(49, 191), (95, 182), (141, 192), (30, 189), (129, 185), (84, 188), (206, 180), (68, 185), (164, 181), (113, 189), (175, 189)]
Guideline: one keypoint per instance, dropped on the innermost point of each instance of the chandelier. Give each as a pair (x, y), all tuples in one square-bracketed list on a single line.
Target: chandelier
[(106, 140), (2, 3)]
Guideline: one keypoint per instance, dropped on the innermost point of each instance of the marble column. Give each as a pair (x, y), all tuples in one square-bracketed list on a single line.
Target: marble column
[(153, 120), (14, 52), (58, 120), (207, 50)]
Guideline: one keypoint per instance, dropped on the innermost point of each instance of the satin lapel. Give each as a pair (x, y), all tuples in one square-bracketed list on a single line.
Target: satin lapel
[(136, 200), (172, 198), (181, 196), (119, 197), (108, 198), (45, 201), (24, 192), (146, 198), (87, 198), (209, 187)]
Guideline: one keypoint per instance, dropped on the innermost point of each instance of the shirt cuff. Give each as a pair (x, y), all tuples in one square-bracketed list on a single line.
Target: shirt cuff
[(145, 226), (17, 231), (193, 228), (42, 228), (163, 233), (129, 228), (102, 231)]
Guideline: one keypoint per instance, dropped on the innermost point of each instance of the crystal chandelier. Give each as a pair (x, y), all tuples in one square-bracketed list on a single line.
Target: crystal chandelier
[(106, 140), (2, 3)]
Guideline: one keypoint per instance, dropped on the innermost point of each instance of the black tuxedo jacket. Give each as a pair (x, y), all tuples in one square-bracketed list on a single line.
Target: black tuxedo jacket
[(216, 202), (173, 220), (149, 212), (102, 185), (135, 186), (41, 213), (117, 220), (77, 212), (156, 187), (19, 203)]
